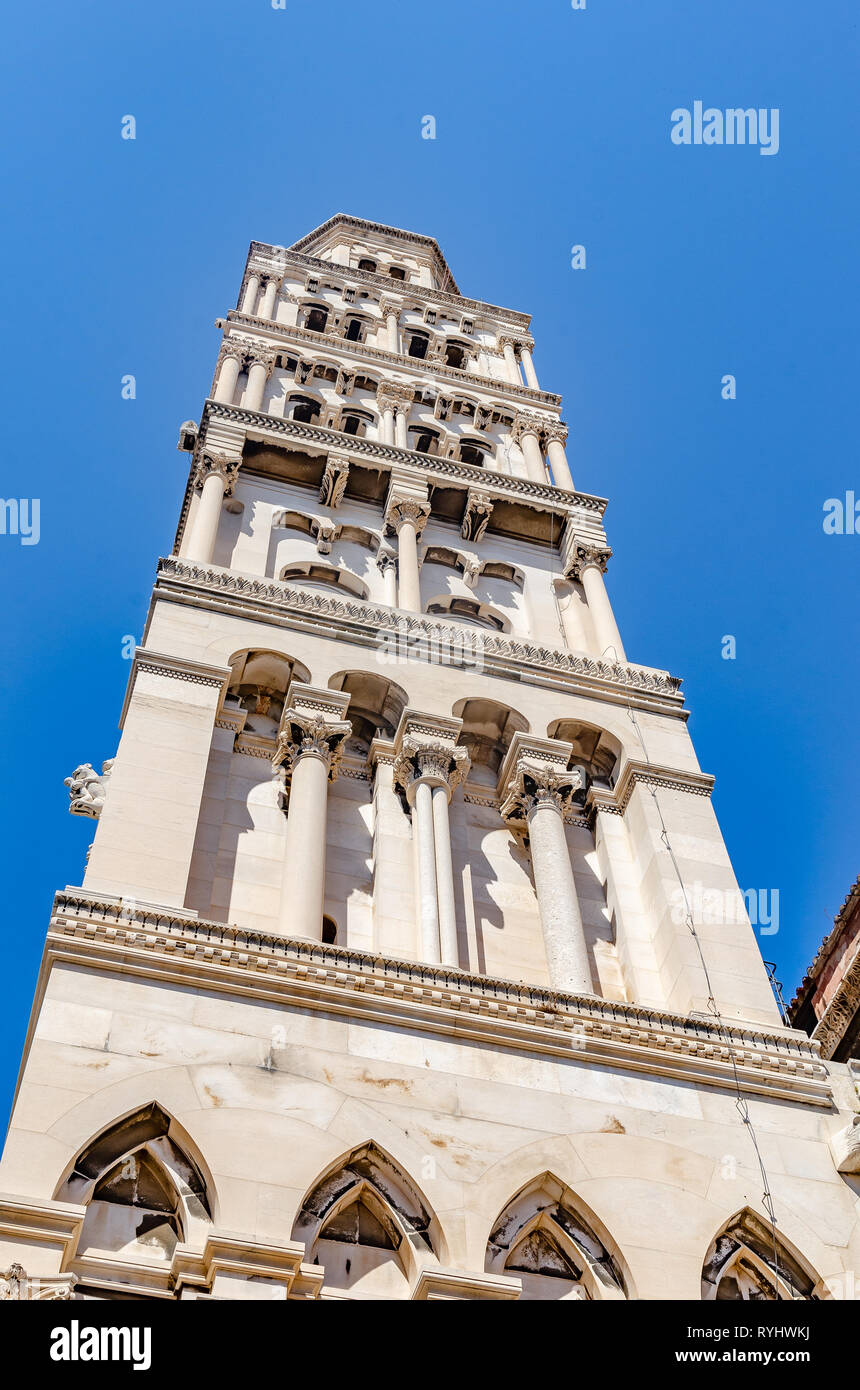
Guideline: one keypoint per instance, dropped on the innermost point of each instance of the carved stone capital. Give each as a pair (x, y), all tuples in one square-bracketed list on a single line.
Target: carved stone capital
[(527, 423), (389, 306), (326, 535), (386, 558), (476, 517), (394, 395), (304, 733), (538, 784), (439, 764), (555, 429), (402, 509), (257, 353), (232, 347), (334, 480), (220, 464), (582, 555)]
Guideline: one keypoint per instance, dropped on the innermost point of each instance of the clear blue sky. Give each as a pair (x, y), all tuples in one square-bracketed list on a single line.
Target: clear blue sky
[(552, 130)]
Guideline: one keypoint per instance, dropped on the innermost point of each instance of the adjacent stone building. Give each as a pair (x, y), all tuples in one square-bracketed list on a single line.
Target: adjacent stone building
[(827, 1004), (408, 962)]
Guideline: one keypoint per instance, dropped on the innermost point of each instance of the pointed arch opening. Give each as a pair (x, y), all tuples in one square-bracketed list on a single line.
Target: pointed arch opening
[(747, 1263), (547, 1238), (368, 1225), (143, 1190)]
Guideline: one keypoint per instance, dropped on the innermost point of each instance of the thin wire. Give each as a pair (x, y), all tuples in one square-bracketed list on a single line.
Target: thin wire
[(740, 1100)]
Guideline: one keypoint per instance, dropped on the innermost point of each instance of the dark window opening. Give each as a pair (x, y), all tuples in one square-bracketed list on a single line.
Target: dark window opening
[(367, 265), (470, 454), (397, 272), (317, 320), (353, 331), (455, 356), (304, 411), (329, 931), (418, 345)]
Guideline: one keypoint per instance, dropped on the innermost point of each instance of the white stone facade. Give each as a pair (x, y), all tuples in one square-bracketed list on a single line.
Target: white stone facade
[(380, 981)]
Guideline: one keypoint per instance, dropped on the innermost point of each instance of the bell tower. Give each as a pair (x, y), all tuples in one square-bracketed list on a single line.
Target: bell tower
[(403, 875)]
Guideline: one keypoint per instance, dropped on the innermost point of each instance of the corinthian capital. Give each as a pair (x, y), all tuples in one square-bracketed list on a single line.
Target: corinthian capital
[(394, 394), (439, 764), (304, 733), (389, 306), (232, 347), (256, 352), (538, 784), (555, 429), (220, 465), (584, 554), (401, 509), (527, 423)]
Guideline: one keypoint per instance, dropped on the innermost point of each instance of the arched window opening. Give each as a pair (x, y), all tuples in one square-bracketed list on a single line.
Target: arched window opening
[(471, 451), (455, 355), (418, 345), (596, 752), (363, 1222), (496, 569), (355, 421), (366, 264), (303, 409), (488, 728), (748, 1264), (329, 931), (375, 704), (259, 685), (317, 318), (424, 441), (355, 330), (397, 272), (142, 1191), (309, 576), (545, 1239), (467, 611)]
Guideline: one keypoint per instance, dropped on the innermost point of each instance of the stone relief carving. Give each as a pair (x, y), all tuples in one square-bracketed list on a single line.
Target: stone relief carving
[(88, 789)]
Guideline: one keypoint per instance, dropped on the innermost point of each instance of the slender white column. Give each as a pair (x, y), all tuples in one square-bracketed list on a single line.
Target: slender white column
[(252, 289), (564, 938), (258, 375), (400, 435), (228, 375), (267, 305), (407, 515), (393, 333), (558, 463), (309, 746), (303, 891), (388, 424), (427, 909), (591, 565), (215, 476), (529, 367), (537, 793), (511, 362), (387, 563), (409, 586), (530, 445), (445, 878)]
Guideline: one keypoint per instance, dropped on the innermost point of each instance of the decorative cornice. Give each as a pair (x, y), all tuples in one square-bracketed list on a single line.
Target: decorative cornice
[(432, 366), (104, 932), (652, 775), (368, 625), (176, 668), (358, 448), (841, 1010)]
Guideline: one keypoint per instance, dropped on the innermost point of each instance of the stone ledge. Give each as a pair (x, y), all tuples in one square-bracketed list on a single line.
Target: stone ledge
[(372, 626), (95, 931)]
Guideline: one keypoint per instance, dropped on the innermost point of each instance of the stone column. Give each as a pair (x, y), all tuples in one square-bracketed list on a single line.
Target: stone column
[(216, 477), (310, 743), (556, 435), (391, 314), (509, 350), (429, 765), (252, 289), (388, 423), (406, 513), (527, 432), (537, 788), (401, 437), (588, 564), (229, 366), (529, 367), (386, 561), (262, 362), (270, 294)]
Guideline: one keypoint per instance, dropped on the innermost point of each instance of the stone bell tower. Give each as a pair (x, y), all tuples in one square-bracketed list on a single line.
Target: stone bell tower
[(389, 977)]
